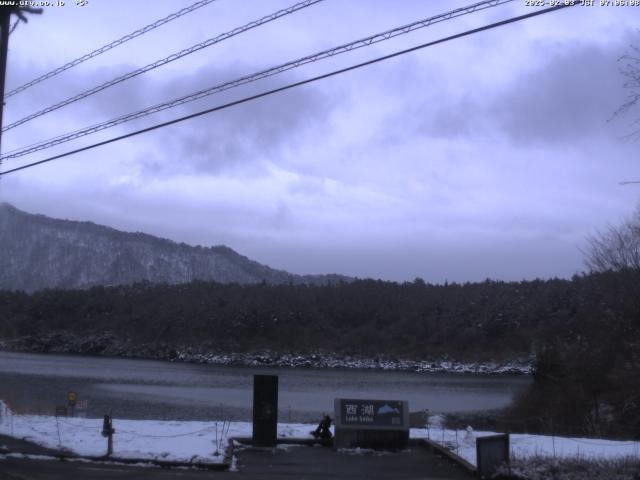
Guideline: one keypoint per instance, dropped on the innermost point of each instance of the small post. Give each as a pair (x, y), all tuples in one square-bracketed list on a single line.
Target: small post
[(457, 447), (59, 437), (427, 422), (216, 453), (108, 431), (553, 438)]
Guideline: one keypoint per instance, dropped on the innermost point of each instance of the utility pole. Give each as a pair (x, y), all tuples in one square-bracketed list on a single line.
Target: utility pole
[(5, 24)]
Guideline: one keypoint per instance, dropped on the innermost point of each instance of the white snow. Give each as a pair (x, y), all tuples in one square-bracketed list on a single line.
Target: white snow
[(463, 443), (187, 441), (200, 441)]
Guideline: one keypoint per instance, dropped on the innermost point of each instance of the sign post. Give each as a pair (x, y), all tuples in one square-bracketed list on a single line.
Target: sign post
[(108, 431), (380, 424), (72, 397)]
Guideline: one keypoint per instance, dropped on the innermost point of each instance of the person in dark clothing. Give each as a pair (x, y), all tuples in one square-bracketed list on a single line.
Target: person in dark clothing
[(323, 431)]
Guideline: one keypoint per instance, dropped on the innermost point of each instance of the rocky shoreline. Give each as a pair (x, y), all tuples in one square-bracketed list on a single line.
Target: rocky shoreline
[(106, 344)]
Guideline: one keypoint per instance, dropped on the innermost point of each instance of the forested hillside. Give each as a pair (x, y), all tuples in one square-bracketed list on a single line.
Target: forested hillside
[(41, 252), (466, 321)]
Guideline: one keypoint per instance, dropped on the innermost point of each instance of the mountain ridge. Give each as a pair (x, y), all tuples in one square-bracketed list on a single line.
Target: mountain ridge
[(42, 252)]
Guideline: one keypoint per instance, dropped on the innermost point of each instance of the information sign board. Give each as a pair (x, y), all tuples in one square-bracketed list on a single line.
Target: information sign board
[(372, 413), (364, 423)]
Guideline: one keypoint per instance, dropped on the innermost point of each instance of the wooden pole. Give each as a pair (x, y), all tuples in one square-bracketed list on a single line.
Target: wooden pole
[(5, 25)]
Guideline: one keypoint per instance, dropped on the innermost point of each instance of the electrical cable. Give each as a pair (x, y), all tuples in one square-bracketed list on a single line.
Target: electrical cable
[(370, 40), (164, 61), (109, 46), (292, 85)]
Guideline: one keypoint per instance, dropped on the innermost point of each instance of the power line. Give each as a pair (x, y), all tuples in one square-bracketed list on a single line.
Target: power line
[(114, 44), (370, 40), (171, 58), (293, 85)]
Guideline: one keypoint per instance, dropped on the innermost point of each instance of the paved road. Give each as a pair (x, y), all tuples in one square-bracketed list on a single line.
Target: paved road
[(295, 462)]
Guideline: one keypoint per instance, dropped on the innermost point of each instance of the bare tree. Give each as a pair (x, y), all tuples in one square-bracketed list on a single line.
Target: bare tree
[(617, 248), (630, 70), (20, 11)]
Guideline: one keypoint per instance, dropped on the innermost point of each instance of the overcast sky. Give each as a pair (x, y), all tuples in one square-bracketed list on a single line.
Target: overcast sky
[(488, 156)]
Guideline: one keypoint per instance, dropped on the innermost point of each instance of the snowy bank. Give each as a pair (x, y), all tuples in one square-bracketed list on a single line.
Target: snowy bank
[(324, 360)]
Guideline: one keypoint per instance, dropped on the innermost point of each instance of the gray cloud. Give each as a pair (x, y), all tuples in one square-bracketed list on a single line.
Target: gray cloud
[(240, 135), (569, 98), (571, 95), (221, 141)]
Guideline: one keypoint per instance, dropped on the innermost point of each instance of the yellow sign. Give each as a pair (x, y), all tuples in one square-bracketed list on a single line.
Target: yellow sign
[(72, 397)]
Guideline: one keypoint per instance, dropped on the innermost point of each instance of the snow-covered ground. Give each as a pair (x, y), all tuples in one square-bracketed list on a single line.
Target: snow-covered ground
[(207, 441), (146, 439), (463, 443)]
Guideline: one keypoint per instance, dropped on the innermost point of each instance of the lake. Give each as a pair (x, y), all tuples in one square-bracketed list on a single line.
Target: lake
[(147, 389)]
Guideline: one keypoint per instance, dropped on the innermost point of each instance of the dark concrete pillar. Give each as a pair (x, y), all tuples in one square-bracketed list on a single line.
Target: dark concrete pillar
[(265, 410)]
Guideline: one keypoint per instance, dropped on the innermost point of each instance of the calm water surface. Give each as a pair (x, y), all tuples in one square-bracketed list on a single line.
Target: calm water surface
[(36, 383)]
